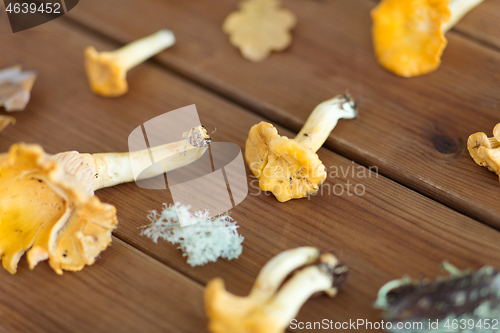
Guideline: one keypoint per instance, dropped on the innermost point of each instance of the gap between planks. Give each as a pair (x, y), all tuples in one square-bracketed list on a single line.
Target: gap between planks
[(471, 38)]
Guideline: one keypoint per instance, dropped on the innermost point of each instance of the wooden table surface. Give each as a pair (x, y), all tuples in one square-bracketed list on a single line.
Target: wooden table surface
[(429, 201)]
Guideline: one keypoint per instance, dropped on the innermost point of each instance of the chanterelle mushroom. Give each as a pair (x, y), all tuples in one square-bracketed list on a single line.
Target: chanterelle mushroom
[(486, 151), (408, 35), (289, 168), (107, 71), (463, 297), (269, 308), (48, 205)]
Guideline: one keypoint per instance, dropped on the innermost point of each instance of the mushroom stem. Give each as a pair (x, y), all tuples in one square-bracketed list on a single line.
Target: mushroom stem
[(277, 269), (452, 269), (323, 120), (287, 303), (138, 51), (458, 9), (117, 168), (108, 169)]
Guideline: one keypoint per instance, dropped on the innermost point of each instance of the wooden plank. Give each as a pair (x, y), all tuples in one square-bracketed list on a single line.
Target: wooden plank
[(414, 130), (483, 23), (124, 291), (385, 233)]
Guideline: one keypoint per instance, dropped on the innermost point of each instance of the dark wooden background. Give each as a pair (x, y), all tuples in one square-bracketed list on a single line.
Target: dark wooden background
[(429, 202)]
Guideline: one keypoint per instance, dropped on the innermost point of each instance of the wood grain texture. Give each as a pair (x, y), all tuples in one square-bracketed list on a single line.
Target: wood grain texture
[(387, 232), (414, 130), (125, 291), (483, 23)]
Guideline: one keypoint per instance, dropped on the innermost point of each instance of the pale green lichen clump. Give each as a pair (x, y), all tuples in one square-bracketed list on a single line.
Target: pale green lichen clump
[(201, 242)]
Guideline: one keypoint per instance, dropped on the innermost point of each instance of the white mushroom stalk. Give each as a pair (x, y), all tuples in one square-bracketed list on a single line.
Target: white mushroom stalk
[(277, 269), (323, 120), (458, 9), (142, 49), (270, 308), (107, 71), (288, 301), (102, 170)]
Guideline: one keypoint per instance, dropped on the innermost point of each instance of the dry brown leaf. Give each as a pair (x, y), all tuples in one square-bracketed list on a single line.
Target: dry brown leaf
[(15, 88), (6, 121), (260, 27)]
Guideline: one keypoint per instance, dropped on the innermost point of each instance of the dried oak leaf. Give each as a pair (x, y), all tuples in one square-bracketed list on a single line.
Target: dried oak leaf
[(260, 27), (15, 88)]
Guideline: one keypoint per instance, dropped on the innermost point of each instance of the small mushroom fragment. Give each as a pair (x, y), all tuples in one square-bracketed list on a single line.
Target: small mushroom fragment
[(6, 121), (260, 27), (486, 151), (409, 36), (107, 71), (102, 170), (48, 206), (271, 304), (290, 168), (15, 88), (460, 297)]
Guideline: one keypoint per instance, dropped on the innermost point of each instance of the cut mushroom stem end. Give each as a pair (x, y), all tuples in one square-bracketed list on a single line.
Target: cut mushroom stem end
[(107, 71)]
